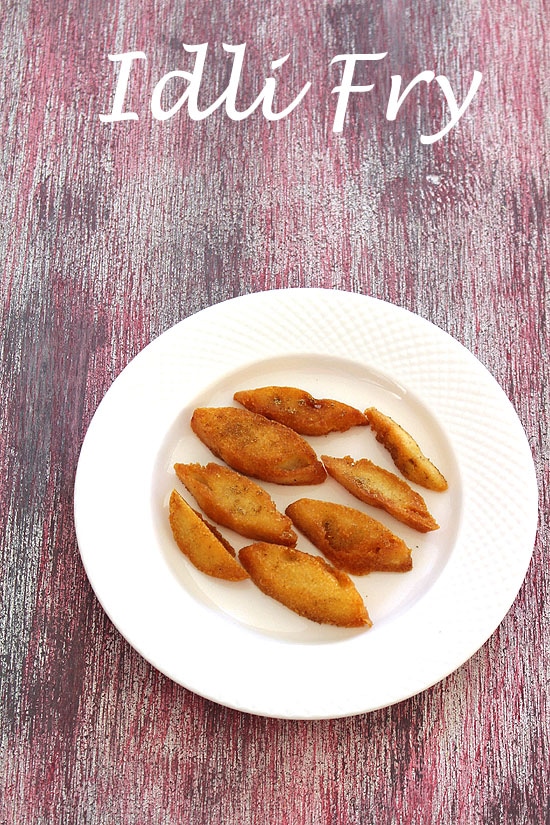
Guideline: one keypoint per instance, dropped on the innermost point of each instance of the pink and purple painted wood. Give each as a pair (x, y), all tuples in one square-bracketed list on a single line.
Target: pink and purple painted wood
[(114, 231)]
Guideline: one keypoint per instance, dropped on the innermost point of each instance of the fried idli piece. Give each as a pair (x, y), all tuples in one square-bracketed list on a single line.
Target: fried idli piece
[(237, 502), (257, 447), (202, 543), (300, 411), (380, 488), (214, 530), (306, 584), (405, 452), (350, 539)]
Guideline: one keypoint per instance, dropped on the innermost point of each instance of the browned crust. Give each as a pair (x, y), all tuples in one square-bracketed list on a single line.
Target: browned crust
[(349, 538), (299, 410), (405, 452), (257, 447), (305, 584), (198, 541), (376, 486), (237, 502), (214, 530)]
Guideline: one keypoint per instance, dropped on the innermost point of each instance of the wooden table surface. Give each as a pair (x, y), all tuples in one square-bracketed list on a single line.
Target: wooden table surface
[(111, 232)]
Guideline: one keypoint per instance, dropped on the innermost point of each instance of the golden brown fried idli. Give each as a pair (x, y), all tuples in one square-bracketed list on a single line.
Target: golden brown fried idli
[(255, 446), (380, 488), (202, 543), (237, 502), (306, 584), (300, 411), (405, 452), (349, 538)]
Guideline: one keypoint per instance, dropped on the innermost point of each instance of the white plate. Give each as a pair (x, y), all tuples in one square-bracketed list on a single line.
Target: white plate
[(229, 642)]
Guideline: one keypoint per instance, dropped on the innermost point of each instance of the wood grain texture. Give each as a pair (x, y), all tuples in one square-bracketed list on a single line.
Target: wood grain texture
[(112, 233)]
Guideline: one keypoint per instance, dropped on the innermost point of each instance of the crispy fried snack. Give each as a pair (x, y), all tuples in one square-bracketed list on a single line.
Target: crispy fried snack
[(202, 543), (300, 411), (237, 502), (306, 584), (349, 538), (407, 455), (380, 488), (255, 446)]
